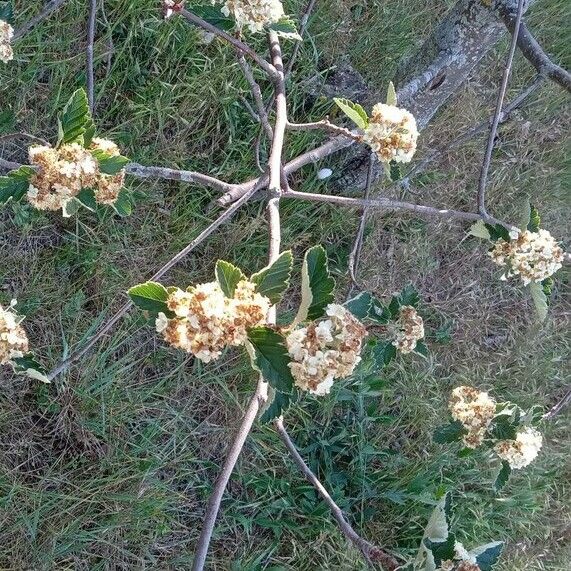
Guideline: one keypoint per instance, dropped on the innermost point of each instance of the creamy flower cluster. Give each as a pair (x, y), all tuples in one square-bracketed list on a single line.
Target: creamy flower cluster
[(172, 6), (522, 451), (475, 410), (325, 350), (6, 35), (391, 133), (207, 321), (534, 256), (13, 338), (409, 329), (463, 560), (254, 14), (64, 171)]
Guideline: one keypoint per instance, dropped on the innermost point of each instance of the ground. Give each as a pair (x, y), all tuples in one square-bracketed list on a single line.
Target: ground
[(110, 467)]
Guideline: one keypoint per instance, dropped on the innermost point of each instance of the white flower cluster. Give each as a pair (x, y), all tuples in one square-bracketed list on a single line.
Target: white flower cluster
[(6, 35), (522, 451), (172, 6), (325, 350), (475, 410), (13, 338), (391, 133), (462, 561), (255, 14), (532, 255), (207, 321), (409, 329), (64, 171)]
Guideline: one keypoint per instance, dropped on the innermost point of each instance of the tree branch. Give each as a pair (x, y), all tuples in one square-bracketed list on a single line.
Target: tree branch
[(369, 551), (531, 48), (496, 120), (50, 7), (561, 405), (237, 44), (326, 125), (89, 54)]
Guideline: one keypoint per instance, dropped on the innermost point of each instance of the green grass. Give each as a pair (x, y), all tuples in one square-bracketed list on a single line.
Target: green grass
[(112, 465)]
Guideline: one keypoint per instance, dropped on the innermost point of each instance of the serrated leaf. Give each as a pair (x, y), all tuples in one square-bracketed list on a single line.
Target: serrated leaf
[(408, 296), (317, 286), (360, 305), (547, 288), (228, 276), (151, 296), (70, 208), (379, 313), (539, 300), (383, 353), (534, 219), (86, 197), (354, 111), (503, 476), (395, 171), (123, 205), (7, 12), (280, 402), (498, 231), (480, 230), (452, 432), (270, 357), (421, 348), (89, 133), (213, 15), (286, 28), (504, 426), (109, 164), (442, 550), (437, 530), (75, 119), (273, 280), (15, 184), (27, 365), (488, 555), (391, 94)]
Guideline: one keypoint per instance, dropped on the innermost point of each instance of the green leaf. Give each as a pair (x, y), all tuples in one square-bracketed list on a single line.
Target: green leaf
[(421, 348), (286, 28), (442, 550), (123, 205), (534, 219), (391, 94), (228, 276), (15, 184), (86, 198), (504, 426), (452, 432), (317, 286), (480, 230), (360, 305), (279, 404), (89, 133), (503, 476), (213, 15), (498, 231), (27, 365), (273, 280), (539, 300), (75, 119), (270, 357), (354, 111), (408, 296), (7, 12), (547, 288), (437, 530), (151, 296), (395, 171), (379, 313), (383, 353), (488, 555), (109, 164)]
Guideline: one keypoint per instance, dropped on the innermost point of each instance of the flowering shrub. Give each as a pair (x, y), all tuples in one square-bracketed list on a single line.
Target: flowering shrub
[(503, 428), (409, 329), (254, 14), (6, 34)]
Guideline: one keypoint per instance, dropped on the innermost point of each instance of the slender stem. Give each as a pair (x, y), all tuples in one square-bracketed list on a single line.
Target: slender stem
[(33, 138), (9, 165), (108, 326), (49, 8), (531, 48), (89, 54), (356, 250), (303, 21), (238, 45), (326, 125), (370, 552), (561, 405), (496, 121)]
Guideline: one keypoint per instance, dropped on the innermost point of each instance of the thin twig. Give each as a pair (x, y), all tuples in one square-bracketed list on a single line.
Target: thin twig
[(89, 54), (496, 121), (561, 405), (249, 108), (108, 326), (257, 95), (33, 138), (357, 245), (237, 44), (49, 8), (531, 48), (303, 21), (327, 126), (9, 165), (370, 552)]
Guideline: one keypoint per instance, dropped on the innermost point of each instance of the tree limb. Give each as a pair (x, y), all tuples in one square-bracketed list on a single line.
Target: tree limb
[(531, 48), (50, 7)]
